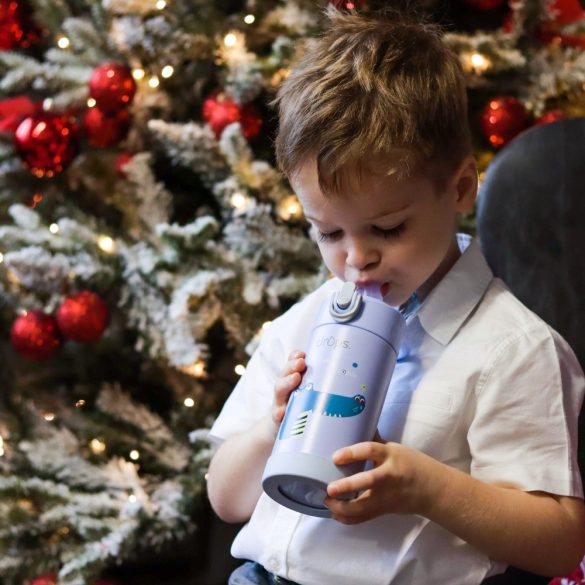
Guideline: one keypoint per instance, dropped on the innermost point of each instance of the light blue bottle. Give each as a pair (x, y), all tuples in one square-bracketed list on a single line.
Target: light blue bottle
[(350, 359)]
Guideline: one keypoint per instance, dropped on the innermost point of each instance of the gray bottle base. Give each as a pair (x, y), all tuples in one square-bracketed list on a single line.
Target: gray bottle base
[(299, 481)]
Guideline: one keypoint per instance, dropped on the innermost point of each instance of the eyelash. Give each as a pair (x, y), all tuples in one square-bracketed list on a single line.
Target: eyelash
[(385, 233)]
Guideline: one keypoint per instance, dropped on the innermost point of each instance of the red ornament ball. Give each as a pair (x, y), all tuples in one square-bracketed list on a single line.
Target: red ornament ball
[(17, 29), (35, 335), (103, 129), (220, 111), (83, 317), (46, 142), (485, 4), (550, 116), (112, 87), (502, 119)]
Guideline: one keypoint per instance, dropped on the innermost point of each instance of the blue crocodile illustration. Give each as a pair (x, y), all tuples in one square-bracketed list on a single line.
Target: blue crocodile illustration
[(305, 400)]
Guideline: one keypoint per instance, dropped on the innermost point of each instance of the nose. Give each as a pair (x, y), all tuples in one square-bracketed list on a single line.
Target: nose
[(361, 256)]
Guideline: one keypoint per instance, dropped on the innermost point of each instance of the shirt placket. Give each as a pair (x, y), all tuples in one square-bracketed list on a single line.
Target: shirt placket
[(280, 538)]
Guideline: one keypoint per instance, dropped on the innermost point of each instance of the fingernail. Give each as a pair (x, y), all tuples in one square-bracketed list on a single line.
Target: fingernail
[(332, 489)]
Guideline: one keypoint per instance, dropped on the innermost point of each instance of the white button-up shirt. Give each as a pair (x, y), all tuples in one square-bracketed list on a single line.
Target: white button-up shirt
[(481, 384)]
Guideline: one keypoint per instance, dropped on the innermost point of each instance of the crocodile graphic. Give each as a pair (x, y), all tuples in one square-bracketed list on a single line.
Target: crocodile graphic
[(305, 400)]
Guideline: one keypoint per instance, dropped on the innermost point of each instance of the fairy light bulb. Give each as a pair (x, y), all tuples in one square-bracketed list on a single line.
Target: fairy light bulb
[(134, 455), (161, 4), (153, 82), (249, 18), (138, 73), (91, 103), (2, 451), (63, 42), (189, 402), (97, 446), (290, 208), (54, 228), (240, 369), (239, 201), (230, 40), (167, 71), (106, 244)]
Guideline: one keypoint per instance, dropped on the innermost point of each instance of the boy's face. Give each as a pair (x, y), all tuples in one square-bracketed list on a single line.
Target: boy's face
[(398, 234)]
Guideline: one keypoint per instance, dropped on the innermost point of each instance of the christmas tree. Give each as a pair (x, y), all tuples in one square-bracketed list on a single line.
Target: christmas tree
[(146, 239)]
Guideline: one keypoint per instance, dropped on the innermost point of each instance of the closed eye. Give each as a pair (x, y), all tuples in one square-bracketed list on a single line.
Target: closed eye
[(390, 232), (329, 236)]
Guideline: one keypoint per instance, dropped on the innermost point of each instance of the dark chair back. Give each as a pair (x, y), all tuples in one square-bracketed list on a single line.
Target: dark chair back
[(531, 227)]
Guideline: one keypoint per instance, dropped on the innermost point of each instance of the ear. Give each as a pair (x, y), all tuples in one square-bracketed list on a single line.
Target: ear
[(464, 185)]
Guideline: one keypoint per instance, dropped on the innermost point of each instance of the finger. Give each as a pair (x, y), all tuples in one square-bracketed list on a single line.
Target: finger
[(357, 509), (358, 482), (368, 451), (296, 354), (294, 365), (284, 386)]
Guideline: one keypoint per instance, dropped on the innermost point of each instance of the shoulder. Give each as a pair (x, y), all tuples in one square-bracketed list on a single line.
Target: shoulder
[(516, 340)]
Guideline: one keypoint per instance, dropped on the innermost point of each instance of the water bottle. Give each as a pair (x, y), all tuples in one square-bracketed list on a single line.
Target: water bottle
[(350, 359)]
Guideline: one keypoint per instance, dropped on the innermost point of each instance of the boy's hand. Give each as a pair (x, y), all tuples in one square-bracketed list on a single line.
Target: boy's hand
[(289, 380), (399, 483)]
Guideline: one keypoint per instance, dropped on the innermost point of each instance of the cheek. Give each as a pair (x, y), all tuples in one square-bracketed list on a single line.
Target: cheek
[(334, 259)]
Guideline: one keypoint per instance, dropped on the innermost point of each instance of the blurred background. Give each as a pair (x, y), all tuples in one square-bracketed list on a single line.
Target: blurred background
[(147, 240)]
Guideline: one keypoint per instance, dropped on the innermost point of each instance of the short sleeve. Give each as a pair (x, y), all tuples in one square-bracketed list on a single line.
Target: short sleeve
[(251, 398), (524, 430)]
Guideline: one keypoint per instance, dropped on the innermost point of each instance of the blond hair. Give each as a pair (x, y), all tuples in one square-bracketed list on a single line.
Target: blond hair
[(370, 88)]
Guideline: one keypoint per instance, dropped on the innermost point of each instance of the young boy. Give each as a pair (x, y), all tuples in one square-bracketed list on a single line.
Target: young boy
[(474, 467)]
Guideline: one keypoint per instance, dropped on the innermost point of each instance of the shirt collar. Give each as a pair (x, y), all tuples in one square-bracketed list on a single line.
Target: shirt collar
[(457, 294)]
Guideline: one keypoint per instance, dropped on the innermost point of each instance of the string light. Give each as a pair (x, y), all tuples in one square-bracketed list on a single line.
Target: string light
[(63, 42), (91, 103), (189, 402), (240, 201), (132, 498), (476, 62), (230, 40), (265, 325), (134, 455), (1, 447), (80, 403), (54, 228), (153, 82), (197, 369), (106, 244), (97, 446), (1, 257), (240, 369), (138, 73), (290, 208), (49, 416), (167, 71), (161, 4), (249, 18)]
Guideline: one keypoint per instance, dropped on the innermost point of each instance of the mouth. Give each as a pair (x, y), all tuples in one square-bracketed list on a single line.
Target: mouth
[(374, 287)]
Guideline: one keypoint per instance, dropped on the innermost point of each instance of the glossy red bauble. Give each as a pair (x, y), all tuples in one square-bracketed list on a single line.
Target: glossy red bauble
[(46, 142), (104, 130), (112, 87), (502, 119), (83, 317), (219, 111), (35, 335)]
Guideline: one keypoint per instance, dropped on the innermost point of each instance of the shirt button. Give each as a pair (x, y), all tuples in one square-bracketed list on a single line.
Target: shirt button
[(273, 564)]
